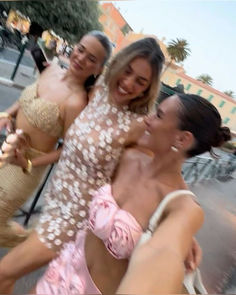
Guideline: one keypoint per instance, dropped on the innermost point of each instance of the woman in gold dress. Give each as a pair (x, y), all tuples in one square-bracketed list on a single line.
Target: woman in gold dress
[(44, 112)]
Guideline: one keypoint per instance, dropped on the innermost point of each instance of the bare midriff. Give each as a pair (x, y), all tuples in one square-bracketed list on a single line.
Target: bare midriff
[(37, 139), (105, 270)]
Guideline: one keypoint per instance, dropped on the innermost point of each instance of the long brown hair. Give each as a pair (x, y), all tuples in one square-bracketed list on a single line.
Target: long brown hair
[(149, 49)]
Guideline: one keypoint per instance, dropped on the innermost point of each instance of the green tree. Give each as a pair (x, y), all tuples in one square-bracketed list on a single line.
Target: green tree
[(206, 79), (178, 50), (229, 93), (70, 19)]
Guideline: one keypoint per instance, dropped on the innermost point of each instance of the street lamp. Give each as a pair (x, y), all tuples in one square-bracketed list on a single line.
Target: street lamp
[(22, 50)]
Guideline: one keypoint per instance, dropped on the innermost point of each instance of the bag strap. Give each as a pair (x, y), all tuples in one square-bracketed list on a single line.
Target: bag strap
[(155, 218)]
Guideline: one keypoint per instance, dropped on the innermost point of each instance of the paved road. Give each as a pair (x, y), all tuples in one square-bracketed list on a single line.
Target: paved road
[(25, 74), (8, 96), (11, 55)]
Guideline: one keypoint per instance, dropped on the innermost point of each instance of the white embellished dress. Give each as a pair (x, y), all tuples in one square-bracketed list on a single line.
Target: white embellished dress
[(91, 151)]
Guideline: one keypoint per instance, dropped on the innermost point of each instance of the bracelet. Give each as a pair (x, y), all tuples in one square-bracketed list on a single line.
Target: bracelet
[(28, 169), (5, 115)]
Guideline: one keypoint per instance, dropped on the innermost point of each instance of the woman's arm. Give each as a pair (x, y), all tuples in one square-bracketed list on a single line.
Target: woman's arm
[(13, 109), (153, 272), (44, 160), (14, 152), (157, 267), (48, 158), (5, 122), (72, 108), (137, 129)]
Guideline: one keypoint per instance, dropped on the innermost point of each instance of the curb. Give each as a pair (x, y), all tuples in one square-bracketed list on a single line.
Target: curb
[(10, 83)]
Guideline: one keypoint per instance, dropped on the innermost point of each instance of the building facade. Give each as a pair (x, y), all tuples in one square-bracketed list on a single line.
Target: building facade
[(114, 26)]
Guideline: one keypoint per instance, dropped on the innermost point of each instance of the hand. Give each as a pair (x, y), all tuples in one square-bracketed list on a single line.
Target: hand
[(13, 149), (6, 123), (194, 257), (46, 63)]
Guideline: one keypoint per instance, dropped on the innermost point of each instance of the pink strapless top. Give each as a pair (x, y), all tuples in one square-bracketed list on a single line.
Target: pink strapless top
[(117, 228)]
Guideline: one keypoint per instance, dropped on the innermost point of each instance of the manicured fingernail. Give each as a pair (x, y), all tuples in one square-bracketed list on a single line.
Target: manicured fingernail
[(19, 131)]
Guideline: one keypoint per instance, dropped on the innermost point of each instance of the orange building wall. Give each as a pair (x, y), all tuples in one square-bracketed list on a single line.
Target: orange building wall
[(112, 22)]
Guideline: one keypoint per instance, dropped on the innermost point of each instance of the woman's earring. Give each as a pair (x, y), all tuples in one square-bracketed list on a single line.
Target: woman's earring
[(174, 149), (95, 76)]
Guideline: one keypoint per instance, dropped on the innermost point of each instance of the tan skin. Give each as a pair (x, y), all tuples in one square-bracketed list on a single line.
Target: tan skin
[(67, 91), (157, 176), (64, 89), (134, 81)]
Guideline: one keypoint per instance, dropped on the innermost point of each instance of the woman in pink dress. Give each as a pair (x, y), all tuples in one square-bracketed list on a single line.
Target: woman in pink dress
[(183, 126)]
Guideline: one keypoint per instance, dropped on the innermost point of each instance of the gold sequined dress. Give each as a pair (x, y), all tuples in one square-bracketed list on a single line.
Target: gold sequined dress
[(91, 151), (15, 186)]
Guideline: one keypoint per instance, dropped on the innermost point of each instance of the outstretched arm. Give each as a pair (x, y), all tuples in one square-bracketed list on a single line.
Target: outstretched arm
[(157, 267)]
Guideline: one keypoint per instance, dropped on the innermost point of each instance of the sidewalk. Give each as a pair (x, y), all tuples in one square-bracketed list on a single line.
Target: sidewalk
[(24, 75)]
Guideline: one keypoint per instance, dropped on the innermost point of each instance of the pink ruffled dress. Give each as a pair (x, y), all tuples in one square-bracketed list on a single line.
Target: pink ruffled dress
[(117, 228)]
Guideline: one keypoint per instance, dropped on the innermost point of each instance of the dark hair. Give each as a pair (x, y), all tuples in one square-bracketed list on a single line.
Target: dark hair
[(35, 29), (149, 49), (203, 120), (104, 40)]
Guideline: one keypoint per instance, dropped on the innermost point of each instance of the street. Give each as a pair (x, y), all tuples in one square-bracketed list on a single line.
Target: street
[(11, 55), (25, 74), (8, 95)]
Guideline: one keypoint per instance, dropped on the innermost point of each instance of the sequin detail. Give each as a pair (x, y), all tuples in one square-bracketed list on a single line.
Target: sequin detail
[(42, 114), (91, 151)]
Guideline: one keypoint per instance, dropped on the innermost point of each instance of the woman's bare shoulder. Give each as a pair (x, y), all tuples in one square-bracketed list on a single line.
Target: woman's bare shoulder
[(51, 71), (94, 90), (188, 207), (135, 153)]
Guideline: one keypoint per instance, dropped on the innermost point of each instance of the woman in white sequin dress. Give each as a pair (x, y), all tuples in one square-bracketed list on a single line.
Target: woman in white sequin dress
[(92, 148)]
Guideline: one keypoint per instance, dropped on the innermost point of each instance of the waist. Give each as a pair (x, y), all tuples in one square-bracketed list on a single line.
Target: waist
[(38, 139), (46, 120), (105, 270)]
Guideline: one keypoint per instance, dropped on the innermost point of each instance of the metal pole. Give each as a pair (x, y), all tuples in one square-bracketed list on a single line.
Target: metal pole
[(24, 43)]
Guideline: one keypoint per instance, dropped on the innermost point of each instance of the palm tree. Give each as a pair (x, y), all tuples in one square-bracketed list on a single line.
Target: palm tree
[(229, 93), (178, 50), (206, 79)]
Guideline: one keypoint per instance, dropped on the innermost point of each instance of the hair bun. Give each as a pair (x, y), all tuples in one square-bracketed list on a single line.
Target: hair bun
[(222, 136)]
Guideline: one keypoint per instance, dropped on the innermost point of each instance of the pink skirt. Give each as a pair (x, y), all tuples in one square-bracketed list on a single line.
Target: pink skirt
[(68, 273)]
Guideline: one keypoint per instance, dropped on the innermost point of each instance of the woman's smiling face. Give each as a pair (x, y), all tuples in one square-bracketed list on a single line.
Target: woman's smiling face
[(132, 82)]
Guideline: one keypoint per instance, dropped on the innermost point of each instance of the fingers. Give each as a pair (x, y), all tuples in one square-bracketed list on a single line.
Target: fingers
[(194, 257), (10, 146), (16, 139), (189, 262), (9, 127), (197, 252), (46, 64)]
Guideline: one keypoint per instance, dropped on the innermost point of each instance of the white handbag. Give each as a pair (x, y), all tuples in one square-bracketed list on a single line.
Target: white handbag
[(192, 281)]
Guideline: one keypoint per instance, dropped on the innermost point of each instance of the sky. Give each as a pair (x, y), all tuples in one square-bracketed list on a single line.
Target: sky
[(208, 26)]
